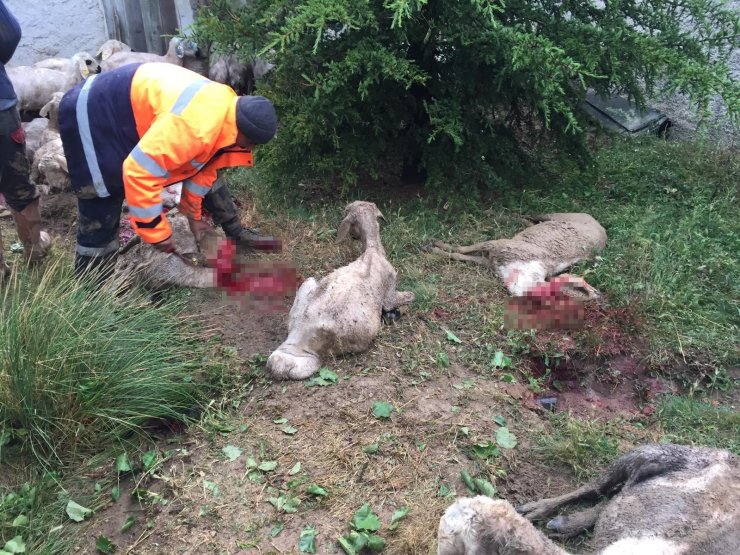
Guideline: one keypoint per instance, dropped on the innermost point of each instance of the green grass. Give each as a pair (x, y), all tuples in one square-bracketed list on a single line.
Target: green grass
[(83, 367), (690, 421)]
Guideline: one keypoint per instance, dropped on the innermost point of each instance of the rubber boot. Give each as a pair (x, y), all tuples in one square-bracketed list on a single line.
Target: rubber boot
[(98, 269), (221, 207), (36, 242), (4, 268)]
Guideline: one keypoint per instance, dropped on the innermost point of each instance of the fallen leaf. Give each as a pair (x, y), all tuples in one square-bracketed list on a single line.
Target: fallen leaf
[(122, 463), (316, 490), (365, 519), (505, 438), (104, 545), (452, 338), (76, 512), (231, 452), (382, 409), (307, 540), (267, 466), (128, 524), (397, 516)]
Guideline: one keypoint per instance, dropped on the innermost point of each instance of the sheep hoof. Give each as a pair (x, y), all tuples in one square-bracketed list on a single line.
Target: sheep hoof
[(391, 316), (556, 523), (287, 366)]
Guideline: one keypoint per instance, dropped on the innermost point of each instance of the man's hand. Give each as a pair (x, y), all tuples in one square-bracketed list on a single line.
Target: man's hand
[(168, 245), (199, 228)]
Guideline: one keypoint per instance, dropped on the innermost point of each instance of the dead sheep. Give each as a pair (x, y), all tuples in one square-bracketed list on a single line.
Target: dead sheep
[(341, 313), (665, 500), (144, 265), (179, 49), (555, 243), (34, 131), (49, 166), (34, 86)]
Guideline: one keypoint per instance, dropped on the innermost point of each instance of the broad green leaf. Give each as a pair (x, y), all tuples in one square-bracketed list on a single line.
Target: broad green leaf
[(104, 545), (276, 529), (397, 516), (328, 375), (365, 519), (251, 462), (443, 360), (485, 450), (468, 481), (268, 466), (212, 487), (382, 409), (231, 452), (316, 490), (505, 438), (128, 524), (371, 449), (76, 512), (149, 460), (376, 543), (500, 360), (307, 540), (290, 430), (122, 463), (20, 520), (443, 490), (15, 545), (115, 493), (452, 338), (500, 420), (296, 469), (280, 420)]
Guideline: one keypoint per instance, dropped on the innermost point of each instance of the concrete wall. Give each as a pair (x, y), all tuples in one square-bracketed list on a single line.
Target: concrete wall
[(57, 28)]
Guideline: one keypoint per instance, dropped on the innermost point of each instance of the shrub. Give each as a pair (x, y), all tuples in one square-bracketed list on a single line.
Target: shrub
[(454, 90), (80, 365)]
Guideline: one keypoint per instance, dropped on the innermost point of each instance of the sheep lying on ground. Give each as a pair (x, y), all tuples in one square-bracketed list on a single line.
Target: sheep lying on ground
[(179, 49), (231, 71), (145, 265), (34, 130), (49, 164), (558, 241), (667, 500), (341, 313), (34, 86), (110, 47)]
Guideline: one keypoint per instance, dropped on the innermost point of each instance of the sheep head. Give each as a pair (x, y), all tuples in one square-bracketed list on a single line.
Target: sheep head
[(360, 220), (185, 48), (51, 109), (85, 64), (109, 48)]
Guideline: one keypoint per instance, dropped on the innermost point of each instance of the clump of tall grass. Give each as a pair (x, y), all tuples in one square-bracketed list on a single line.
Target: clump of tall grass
[(81, 366)]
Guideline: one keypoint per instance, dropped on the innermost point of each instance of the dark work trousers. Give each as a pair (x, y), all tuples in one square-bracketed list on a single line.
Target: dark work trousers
[(15, 184), (221, 207)]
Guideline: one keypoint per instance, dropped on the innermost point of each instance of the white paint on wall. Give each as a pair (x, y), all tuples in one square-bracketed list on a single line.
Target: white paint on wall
[(57, 28)]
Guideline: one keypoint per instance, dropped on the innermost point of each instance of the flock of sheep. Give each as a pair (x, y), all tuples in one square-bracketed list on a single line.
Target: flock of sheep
[(667, 499)]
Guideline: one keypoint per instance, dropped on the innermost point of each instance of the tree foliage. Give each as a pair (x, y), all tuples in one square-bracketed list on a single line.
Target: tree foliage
[(453, 87)]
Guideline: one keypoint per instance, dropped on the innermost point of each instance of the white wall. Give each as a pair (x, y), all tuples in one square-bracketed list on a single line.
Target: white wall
[(57, 28)]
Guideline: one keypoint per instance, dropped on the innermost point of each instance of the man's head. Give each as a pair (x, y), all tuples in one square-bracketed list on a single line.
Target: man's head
[(255, 119)]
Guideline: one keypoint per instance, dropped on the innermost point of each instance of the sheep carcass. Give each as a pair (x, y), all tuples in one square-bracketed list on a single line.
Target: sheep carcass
[(546, 249), (230, 70), (341, 313), (49, 164), (34, 131), (145, 265), (178, 49), (667, 500), (34, 86), (110, 47)]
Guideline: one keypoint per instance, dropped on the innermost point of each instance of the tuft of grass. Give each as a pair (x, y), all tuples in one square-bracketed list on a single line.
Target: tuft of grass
[(83, 366), (688, 420), (584, 446)]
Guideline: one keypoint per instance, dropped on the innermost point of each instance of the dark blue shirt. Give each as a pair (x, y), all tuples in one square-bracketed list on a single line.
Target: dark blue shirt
[(10, 36)]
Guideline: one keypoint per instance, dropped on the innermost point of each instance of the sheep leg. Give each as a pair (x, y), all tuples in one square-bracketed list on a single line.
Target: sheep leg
[(461, 257), (477, 247), (568, 526)]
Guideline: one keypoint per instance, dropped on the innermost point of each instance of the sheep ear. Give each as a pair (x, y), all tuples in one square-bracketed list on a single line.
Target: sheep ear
[(343, 230), (44, 112)]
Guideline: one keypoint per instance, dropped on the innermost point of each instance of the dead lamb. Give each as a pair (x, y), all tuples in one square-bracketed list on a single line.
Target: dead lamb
[(665, 500), (179, 49), (341, 313), (49, 165), (555, 243)]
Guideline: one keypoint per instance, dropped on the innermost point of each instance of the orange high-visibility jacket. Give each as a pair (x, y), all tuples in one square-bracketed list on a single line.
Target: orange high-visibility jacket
[(187, 129)]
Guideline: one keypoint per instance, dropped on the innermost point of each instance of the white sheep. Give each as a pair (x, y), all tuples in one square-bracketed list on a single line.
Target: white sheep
[(178, 49), (145, 265), (557, 242), (110, 47), (665, 500), (34, 131), (49, 164), (34, 86), (341, 313)]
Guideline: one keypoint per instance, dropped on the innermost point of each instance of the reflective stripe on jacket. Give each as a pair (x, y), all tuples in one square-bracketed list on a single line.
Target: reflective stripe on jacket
[(175, 126)]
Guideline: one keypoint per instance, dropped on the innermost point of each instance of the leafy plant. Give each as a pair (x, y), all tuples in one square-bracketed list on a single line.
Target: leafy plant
[(382, 409)]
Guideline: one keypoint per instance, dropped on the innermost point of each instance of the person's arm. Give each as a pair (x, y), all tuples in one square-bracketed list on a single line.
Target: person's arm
[(169, 144), (10, 33)]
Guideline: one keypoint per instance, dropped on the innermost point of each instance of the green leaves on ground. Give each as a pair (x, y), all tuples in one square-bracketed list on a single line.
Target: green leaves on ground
[(452, 338), (382, 409), (325, 378), (130, 521), (13, 546), (122, 463), (397, 516), (366, 519), (477, 485), (267, 466), (500, 360), (76, 512), (505, 438), (307, 540), (231, 452), (316, 490), (104, 545), (285, 502)]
